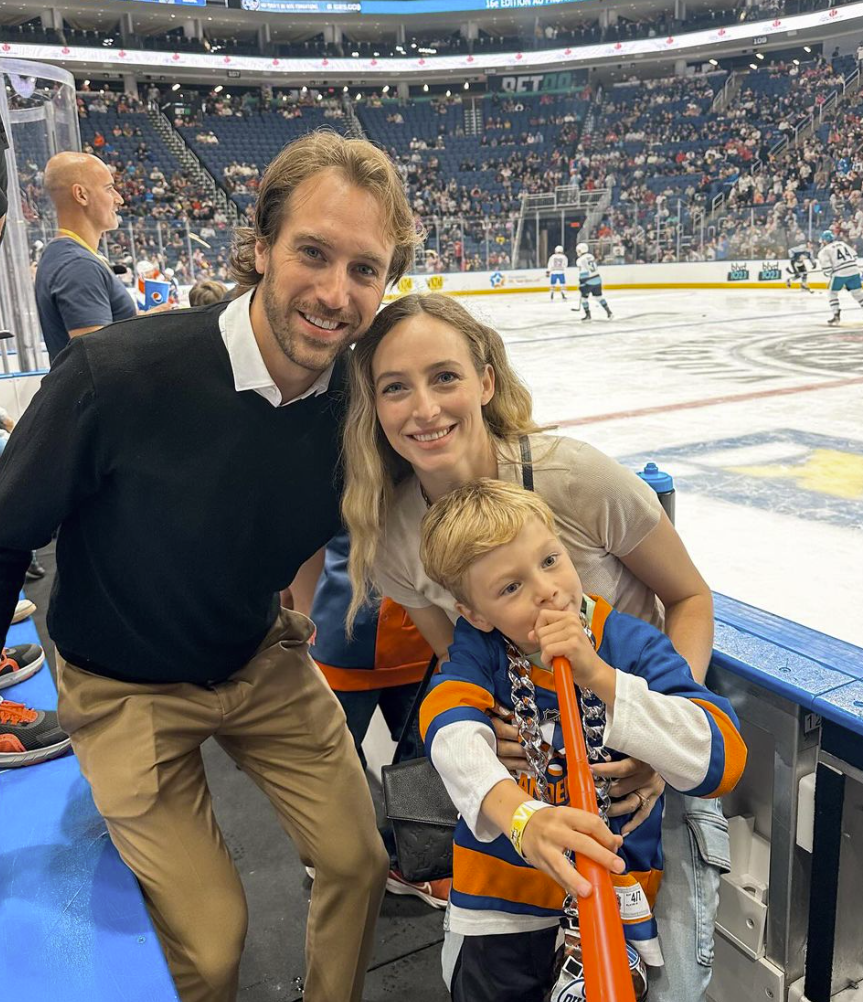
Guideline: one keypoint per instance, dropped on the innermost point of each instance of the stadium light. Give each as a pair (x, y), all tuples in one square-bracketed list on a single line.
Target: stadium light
[(713, 62), (386, 88), (806, 48), (305, 90), (753, 66), (320, 97), (466, 85), (425, 88), (449, 93), (796, 62), (376, 54), (86, 83), (345, 89), (175, 87), (355, 55), (219, 89), (759, 55)]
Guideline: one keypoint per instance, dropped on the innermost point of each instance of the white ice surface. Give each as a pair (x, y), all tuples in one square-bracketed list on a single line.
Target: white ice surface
[(684, 368)]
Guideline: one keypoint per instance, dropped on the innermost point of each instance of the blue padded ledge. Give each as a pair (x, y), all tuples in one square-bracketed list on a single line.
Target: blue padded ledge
[(76, 929), (844, 706), (828, 650), (806, 667)]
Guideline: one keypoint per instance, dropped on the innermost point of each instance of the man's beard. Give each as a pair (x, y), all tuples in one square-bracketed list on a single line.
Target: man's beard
[(302, 350)]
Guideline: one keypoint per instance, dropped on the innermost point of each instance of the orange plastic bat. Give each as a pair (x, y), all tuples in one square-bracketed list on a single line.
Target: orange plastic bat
[(607, 977)]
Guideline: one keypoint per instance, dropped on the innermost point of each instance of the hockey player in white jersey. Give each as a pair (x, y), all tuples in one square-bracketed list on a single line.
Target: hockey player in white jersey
[(838, 261), (799, 269), (556, 271), (589, 281)]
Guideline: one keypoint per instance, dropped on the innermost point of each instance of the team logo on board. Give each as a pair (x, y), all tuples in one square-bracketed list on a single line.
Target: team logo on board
[(770, 272), (738, 272)]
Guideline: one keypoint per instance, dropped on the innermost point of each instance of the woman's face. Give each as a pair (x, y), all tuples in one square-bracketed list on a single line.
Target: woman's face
[(429, 396)]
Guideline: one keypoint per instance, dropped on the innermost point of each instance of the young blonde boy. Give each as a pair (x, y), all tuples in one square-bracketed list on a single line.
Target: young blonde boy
[(494, 546)]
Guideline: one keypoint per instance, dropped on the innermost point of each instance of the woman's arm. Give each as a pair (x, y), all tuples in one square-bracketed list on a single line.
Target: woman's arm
[(663, 564), (435, 626)]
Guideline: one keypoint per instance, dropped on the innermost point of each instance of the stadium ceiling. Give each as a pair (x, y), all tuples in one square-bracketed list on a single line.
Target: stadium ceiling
[(154, 18), (719, 42)]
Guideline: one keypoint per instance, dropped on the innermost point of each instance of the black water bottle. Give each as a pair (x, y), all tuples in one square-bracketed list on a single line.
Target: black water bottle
[(663, 484)]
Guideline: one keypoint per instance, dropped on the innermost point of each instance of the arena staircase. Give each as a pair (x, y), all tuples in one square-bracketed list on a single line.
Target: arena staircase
[(472, 118), (730, 90), (191, 164), (353, 128)]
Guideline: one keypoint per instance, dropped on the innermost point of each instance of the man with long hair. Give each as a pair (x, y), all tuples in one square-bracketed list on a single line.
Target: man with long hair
[(174, 544)]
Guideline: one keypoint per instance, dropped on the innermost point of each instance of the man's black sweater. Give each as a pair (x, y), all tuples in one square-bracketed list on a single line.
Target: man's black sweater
[(183, 505)]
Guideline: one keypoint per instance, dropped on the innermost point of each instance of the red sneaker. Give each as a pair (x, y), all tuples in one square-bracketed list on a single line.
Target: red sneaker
[(433, 892)]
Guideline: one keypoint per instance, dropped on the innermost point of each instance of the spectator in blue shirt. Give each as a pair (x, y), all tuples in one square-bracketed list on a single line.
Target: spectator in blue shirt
[(77, 291)]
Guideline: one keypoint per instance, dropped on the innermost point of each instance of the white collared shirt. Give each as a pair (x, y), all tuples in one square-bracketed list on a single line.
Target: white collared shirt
[(247, 363)]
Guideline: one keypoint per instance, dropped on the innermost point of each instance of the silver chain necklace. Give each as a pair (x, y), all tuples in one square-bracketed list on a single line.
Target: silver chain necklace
[(526, 712)]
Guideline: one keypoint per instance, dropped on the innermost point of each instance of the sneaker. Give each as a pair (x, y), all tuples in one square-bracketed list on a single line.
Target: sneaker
[(433, 892), (23, 609), (35, 571), (20, 662), (29, 736)]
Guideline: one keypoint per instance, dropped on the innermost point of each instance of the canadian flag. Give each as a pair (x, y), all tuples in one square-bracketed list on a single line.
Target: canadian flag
[(275, 62), (122, 53), (518, 55), (227, 59), (176, 57), (619, 45), (669, 40)]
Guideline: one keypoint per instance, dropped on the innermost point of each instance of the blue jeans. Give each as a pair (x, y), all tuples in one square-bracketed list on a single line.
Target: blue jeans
[(696, 850)]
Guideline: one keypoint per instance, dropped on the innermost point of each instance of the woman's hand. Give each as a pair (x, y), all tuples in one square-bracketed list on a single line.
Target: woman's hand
[(550, 832), (510, 750), (635, 787)]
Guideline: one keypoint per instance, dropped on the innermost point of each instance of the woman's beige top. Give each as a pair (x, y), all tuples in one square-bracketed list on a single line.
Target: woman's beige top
[(602, 510)]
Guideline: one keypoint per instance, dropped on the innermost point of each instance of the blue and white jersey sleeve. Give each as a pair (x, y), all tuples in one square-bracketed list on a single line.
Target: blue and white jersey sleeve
[(664, 717)]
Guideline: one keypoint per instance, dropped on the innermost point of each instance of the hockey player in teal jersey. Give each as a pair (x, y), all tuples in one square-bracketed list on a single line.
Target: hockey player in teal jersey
[(589, 281), (494, 547)]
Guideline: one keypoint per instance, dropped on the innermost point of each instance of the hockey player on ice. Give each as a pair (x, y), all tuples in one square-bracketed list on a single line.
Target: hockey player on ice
[(798, 256), (556, 271), (589, 281), (838, 261)]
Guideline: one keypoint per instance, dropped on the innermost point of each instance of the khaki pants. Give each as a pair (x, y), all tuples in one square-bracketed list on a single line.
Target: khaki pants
[(139, 747)]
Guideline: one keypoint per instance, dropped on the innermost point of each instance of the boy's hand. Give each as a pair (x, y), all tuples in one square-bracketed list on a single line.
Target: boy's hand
[(549, 833), (560, 634)]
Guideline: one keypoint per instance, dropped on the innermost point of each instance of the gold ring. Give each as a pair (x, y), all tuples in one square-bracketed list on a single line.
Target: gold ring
[(643, 801)]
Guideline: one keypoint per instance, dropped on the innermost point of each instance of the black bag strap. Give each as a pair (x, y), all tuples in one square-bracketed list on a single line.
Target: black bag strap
[(527, 480), (415, 708), (526, 463)]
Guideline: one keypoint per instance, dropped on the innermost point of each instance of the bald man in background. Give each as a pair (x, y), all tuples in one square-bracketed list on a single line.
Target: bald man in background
[(77, 292)]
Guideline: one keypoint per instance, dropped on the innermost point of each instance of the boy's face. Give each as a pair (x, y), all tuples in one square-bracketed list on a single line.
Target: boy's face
[(509, 586)]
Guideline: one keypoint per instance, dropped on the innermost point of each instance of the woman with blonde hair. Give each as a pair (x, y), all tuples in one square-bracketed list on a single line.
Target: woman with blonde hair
[(434, 403)]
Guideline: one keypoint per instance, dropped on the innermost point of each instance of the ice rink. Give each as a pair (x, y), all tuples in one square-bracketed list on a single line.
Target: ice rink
[(748, 399)]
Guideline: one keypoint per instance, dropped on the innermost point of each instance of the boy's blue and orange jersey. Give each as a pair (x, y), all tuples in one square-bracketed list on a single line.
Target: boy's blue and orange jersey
[(386, 648), (490, 875)]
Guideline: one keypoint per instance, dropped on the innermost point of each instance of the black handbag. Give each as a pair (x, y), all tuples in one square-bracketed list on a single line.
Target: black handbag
[(422, 815)]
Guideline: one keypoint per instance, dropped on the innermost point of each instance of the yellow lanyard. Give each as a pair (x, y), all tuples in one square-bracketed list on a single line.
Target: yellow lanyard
[(80, 240)]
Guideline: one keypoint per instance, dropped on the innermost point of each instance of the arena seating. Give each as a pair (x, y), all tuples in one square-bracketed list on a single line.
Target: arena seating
[(153, 184)]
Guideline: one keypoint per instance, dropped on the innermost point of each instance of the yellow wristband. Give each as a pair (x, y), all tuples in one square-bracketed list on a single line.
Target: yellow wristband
[(523, 813)]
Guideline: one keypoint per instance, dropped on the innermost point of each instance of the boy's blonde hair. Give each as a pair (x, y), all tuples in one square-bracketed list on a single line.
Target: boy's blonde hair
[(471, 521)]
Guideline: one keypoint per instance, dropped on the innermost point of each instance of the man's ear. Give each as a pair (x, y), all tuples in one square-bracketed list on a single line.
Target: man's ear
[(262, 256), (474, 618)]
